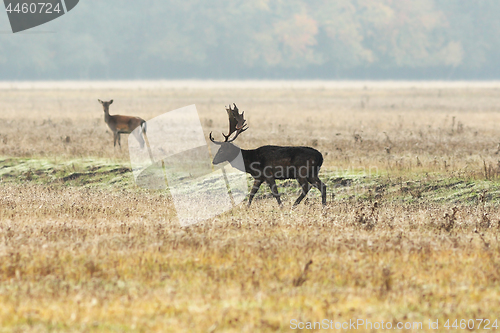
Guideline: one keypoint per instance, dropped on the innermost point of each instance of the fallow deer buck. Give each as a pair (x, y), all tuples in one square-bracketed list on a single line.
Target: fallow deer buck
[(268, 163), (123, 124)]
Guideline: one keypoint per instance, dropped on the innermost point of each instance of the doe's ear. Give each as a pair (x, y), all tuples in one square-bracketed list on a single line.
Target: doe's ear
[(111, 102), (99, 101)]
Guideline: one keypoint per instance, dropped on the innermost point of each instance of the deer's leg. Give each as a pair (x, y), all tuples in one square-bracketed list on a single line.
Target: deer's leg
[(138, 136), (316, 182), (255, 188), (274, 190), (119, 140), (305, 188), (115, 137)]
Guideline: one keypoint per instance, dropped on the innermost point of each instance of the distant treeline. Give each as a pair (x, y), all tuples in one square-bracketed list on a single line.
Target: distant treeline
[(286, 39)]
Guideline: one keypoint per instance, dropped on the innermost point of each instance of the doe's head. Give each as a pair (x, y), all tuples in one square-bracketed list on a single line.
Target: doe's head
[(105, 105)]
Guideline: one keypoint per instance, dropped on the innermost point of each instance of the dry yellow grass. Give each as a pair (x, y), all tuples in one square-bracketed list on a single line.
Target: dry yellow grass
[(106, 258)]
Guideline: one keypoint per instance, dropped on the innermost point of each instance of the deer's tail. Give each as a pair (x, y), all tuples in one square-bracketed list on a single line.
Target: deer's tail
[(318, 163), (320, 160)]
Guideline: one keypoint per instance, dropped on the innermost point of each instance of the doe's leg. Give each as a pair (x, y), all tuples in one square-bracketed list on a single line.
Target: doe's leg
[(138, 136)]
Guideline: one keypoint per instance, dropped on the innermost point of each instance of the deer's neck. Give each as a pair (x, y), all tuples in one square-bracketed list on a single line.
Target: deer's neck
[(249, 156), (107, 117), (247, 160)]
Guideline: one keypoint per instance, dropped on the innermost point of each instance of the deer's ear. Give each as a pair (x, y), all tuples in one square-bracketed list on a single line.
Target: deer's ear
[(111, 102), (99, 101)]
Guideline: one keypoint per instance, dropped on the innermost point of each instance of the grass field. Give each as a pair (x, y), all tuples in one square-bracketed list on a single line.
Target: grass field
[(409, 234)]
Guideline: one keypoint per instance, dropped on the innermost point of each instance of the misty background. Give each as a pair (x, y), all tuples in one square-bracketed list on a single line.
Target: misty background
[(259, 39)]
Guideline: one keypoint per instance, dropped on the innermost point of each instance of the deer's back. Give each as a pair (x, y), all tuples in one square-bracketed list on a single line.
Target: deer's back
[(124, 124), (287, 162)]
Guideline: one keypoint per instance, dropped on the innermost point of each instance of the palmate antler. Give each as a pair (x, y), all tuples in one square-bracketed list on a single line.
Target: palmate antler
[(236, 124)]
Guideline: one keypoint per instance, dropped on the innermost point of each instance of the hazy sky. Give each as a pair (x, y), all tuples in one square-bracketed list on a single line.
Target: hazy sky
[(227, 39)]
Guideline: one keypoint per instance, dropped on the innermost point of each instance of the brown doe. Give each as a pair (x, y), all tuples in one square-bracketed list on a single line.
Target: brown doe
[(123, 124), (268, 163)]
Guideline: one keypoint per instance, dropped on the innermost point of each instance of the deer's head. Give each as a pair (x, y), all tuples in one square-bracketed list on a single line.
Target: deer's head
[(105, 105), (228, 151)]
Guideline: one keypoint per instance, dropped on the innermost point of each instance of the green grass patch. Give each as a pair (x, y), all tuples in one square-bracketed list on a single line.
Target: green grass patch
[(410, 188), (78, 172)]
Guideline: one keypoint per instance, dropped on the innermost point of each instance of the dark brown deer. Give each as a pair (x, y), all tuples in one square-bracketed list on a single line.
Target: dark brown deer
[(123, 124), (268, 163)]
